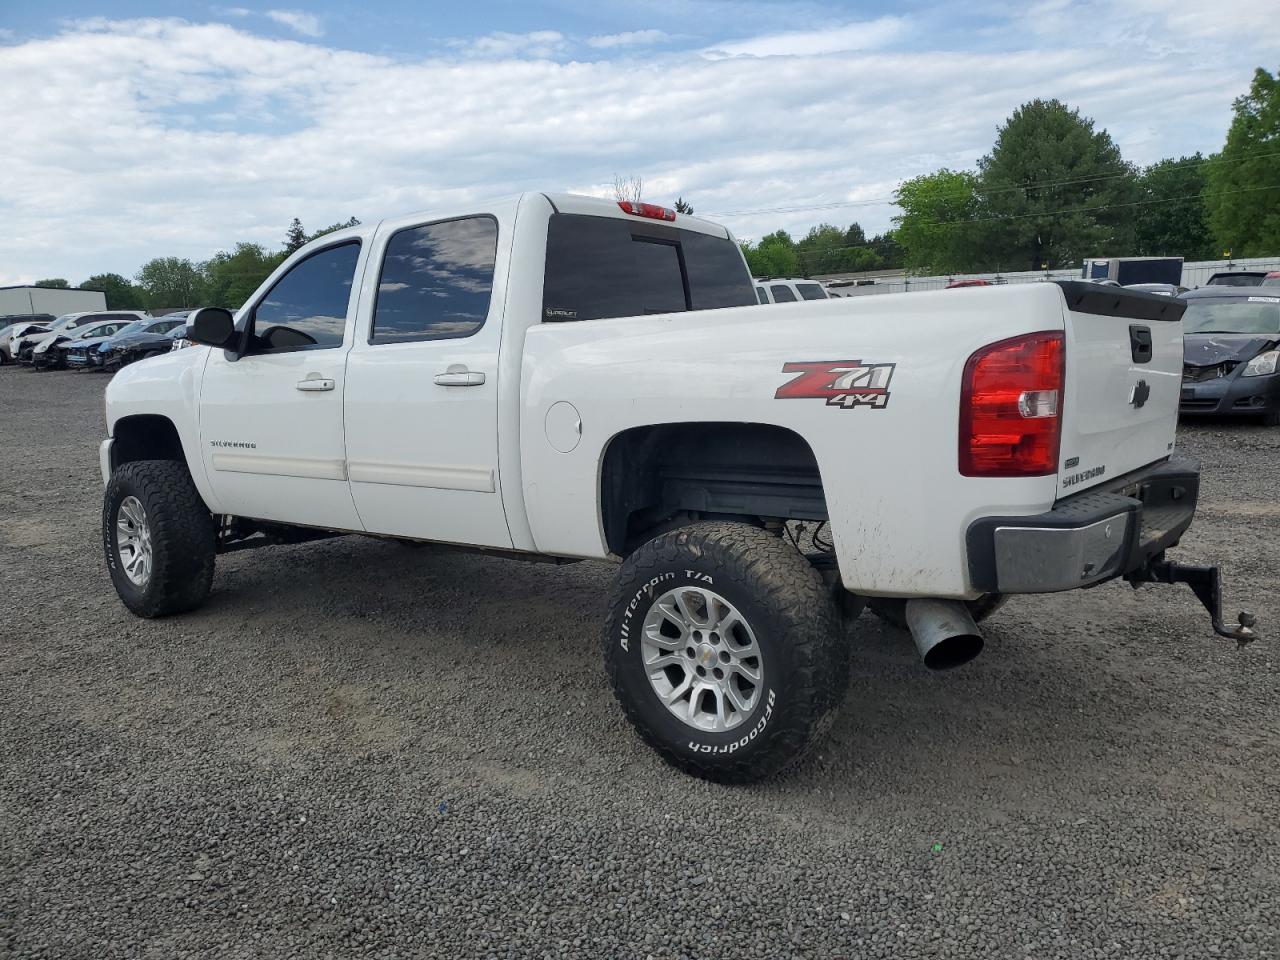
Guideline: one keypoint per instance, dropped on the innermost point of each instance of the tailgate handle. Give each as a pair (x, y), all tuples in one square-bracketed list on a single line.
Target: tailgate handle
[(1140, 343)]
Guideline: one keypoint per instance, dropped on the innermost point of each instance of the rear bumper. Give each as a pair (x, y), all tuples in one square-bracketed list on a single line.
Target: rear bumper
[(1232, 396), (1097, 535)]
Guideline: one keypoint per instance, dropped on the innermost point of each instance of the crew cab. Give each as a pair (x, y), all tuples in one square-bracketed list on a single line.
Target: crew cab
[(565, 378)]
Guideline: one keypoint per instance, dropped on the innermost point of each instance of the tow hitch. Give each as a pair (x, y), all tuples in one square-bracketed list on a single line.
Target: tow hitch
[(1206, 583)]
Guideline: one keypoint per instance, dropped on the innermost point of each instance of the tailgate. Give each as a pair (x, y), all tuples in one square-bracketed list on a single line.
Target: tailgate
[(1123, 377)]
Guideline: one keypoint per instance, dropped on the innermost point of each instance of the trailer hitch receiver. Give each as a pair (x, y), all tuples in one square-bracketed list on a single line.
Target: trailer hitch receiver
[(1206, 583)]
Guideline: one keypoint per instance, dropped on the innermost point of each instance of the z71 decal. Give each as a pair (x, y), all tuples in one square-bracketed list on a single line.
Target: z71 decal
[(842, 383)]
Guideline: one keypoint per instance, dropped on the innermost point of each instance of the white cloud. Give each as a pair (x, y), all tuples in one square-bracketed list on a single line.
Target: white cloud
[(205, 134), (307, 24), (867, 35), (540, 44), (630, 38)]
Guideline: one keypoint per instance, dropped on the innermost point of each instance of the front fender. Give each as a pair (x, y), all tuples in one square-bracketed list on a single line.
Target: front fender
[(168, 386)]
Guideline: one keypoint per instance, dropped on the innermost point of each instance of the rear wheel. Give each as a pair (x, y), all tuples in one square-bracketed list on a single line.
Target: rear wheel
[(724, 649), (158, 537)]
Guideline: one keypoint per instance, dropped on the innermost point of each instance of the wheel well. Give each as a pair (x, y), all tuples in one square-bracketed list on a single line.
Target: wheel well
[(657, 475), (145, 437)]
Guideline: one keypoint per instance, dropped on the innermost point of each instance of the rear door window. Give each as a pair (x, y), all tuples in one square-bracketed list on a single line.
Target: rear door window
[(602, 267), (811, 291), (437, 281), (781, 293)]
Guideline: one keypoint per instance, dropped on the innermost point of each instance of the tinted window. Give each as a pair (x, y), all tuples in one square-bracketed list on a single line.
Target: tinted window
[(307, 308), (763, 297), (600, 267), (781, 293), (436, 281), (718, 275), (811, 291)]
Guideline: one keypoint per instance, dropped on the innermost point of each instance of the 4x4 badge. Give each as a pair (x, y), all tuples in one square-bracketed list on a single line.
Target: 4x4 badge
[(841, 383)]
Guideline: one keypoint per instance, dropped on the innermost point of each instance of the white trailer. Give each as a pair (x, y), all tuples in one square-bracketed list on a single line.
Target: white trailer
[(20, 301)]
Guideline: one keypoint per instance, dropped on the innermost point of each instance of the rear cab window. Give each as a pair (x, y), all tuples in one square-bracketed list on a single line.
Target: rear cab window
[(604, 267)]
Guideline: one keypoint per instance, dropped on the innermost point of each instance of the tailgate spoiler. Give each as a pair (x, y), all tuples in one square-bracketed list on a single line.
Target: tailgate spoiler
[(1108, 301)]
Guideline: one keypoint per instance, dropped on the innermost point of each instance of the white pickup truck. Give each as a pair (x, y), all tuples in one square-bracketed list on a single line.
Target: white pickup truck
[(565, 377)]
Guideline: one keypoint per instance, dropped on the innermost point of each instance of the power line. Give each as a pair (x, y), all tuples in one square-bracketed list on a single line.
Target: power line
[(879, 201)]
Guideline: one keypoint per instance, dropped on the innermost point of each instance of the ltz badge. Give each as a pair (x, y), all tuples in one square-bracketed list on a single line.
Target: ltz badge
[(842, 383)]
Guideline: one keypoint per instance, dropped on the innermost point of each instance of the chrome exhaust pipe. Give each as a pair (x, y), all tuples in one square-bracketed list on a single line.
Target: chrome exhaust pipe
[(945, 634)]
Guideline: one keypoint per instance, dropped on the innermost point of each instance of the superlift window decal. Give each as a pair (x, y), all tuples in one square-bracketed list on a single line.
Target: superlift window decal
[(841, 383)]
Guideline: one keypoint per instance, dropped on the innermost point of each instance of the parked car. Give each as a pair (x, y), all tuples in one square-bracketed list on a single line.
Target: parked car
[(784, 290), (153, 338), (1236, 278), (418, 379), (1231, 342), (23, 348), (182, 339), (51, 353), (1272, 279), (90, 353), (1160, 289), (15, 331)]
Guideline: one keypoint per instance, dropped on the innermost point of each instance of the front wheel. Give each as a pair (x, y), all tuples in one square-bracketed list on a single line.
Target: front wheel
[(724, 649), (159, 538)]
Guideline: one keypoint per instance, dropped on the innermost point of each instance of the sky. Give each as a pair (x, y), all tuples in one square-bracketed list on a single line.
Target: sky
[(140, 129)]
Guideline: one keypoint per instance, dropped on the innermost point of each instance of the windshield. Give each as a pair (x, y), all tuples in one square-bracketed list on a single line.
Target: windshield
[(130, 328), (1256, 315)]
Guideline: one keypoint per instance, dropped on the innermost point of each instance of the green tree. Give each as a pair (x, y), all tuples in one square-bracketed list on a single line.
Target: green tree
[(937, 229), (349, 222), (56, 283), (827, 249), (1057, 190), (1165, 225), (887, 250), (231, 278), (683, 206), (171, 282), (296, 237), (774, 256), (121, 294), (1243, 195)]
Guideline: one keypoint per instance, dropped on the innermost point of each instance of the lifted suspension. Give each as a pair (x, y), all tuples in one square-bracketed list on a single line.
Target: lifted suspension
[(1206, 583)]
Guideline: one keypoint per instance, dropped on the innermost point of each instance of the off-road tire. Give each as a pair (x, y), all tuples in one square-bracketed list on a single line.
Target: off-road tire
[(796, 625), (894, 611), (183, 537)]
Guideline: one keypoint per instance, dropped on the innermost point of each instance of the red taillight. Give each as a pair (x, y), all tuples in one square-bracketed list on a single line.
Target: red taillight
[(650, 210), (1011, 407)]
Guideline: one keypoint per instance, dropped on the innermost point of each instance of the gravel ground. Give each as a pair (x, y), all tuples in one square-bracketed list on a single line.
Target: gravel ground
[(363, 749)]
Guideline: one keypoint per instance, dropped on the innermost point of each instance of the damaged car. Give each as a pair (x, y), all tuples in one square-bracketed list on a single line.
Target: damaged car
[(1231, 353), (51, 354), (152, 338)]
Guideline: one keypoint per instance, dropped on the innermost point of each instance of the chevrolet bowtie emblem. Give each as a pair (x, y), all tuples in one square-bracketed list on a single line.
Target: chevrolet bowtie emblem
[(1140, 394)]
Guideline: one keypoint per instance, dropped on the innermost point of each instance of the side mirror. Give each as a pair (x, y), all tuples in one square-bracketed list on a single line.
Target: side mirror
[(212, 326)]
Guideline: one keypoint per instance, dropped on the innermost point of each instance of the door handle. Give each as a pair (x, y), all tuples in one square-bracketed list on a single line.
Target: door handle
[(459, 376), (314, 384)]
